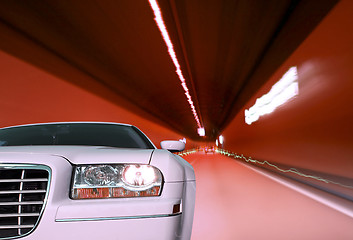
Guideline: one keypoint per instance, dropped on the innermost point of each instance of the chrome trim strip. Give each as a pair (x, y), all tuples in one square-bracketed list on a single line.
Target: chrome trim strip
[(116, 218)]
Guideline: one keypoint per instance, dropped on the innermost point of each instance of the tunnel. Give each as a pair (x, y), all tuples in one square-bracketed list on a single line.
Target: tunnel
[(261, 91)]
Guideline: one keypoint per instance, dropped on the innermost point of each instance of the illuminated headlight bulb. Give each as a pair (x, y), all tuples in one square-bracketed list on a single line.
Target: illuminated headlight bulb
[(138, 175)]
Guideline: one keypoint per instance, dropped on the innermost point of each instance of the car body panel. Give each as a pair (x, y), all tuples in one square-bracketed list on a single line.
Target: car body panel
[(113, 218), (87, 154)]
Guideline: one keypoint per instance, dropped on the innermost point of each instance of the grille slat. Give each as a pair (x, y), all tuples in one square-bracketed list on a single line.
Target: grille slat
[(25, 180), (15, 226), (23, 190), (21, 203), (19, 215)]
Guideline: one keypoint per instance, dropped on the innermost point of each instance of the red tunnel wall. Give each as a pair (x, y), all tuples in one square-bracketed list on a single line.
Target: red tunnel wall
[(315, 129), (31, 95)]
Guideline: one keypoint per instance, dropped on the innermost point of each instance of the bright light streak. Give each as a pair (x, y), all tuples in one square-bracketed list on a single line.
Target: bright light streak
[(257, 162), (217, 142), (291, 170), (168, 42), (201, 131), (221, 139), (286, 88)]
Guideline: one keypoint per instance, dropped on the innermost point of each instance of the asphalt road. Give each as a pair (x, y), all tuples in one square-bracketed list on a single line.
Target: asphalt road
[(235, 202)]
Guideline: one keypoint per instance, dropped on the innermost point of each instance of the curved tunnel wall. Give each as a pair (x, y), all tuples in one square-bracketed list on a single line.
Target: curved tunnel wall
[(31, 95), (313, 130)]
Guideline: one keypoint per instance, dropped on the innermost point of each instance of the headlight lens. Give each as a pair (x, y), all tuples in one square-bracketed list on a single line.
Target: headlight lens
[(116, 181), (139, 175), (99, 175)]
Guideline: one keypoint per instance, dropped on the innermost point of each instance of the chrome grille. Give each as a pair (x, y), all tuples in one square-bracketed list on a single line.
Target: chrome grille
[(23, 191)]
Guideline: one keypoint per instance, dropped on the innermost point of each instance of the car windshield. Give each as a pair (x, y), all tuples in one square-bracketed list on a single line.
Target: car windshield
[(91, 134)]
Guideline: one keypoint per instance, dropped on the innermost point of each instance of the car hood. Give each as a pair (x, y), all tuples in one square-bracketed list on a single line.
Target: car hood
[(86, 154)]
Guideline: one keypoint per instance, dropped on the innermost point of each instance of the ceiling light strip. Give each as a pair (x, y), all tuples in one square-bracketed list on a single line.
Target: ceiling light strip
[(168, 42)]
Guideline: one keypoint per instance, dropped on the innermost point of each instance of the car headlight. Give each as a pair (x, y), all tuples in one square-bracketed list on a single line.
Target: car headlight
[(115, 181)]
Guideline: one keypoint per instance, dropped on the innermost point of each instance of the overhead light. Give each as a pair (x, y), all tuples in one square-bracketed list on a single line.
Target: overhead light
[(163, 29), (221, 139), (286, 88), (201, 131)]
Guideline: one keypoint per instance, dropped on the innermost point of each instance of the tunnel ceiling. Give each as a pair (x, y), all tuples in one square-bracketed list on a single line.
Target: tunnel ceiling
[(227, 50)]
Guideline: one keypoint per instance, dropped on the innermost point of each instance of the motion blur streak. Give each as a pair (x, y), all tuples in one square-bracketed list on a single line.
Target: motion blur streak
[(291, 170), (168, 42), (281, 92), (235, 202), (274, 166)]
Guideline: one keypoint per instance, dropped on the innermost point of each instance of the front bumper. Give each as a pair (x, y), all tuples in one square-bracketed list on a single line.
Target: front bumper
[(128, 218), (149, 228)]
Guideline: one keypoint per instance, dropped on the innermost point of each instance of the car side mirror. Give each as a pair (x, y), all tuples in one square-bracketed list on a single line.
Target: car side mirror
[(173, 146)]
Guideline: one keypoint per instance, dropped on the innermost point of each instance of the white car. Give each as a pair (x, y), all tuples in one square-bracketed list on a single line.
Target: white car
[(85, 180)]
